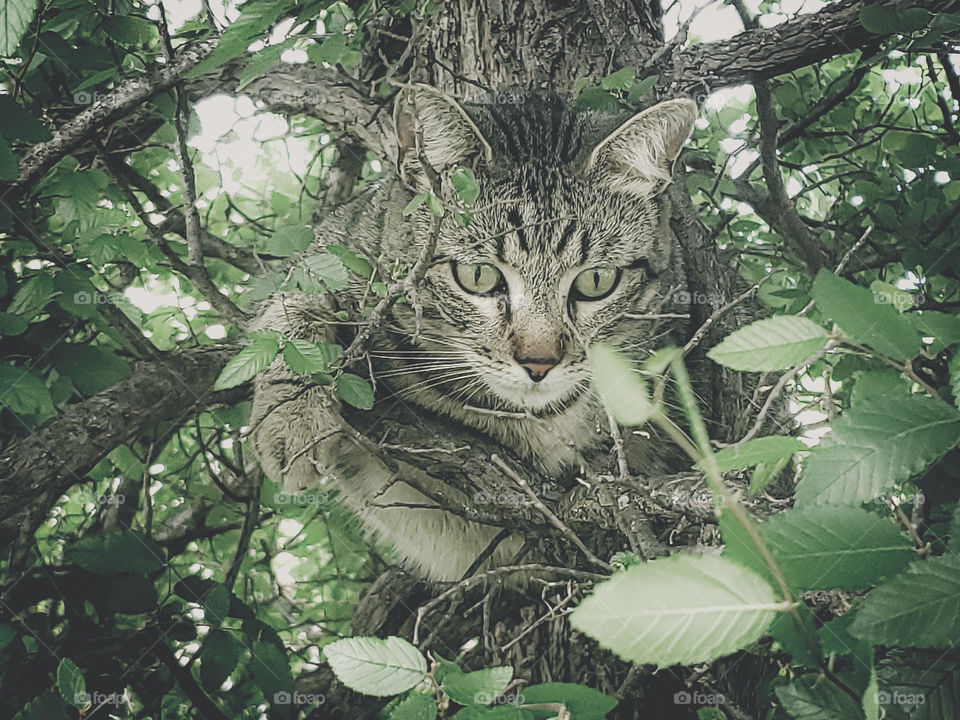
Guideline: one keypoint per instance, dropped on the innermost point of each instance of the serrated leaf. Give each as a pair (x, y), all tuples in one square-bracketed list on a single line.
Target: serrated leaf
[(115, 551), (678, 610), (219, 657), (416, 707), (328, 268), (778, 343), (32, 296), (418, 200), (793, 639), (756, 451), (477, 688), (9, 162), (271, 670), (372, 666), (70, 683), (465, 183), (813, 697), (874, 445), (354, 263), (216, 604), (23, 392), (355, 390), (289, 240), (15, 18), (863, 319), (620, 80), (619, 387), (19, 123), (823, 548), (250, 361), (879, 20), (255, 19), (307, 357), (584, 703), (918, 608)]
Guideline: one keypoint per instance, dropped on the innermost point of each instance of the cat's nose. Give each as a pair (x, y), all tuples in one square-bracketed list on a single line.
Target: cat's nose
[(537, 368)]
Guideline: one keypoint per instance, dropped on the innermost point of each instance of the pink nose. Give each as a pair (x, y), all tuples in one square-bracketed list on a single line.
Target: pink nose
[(537, 368)]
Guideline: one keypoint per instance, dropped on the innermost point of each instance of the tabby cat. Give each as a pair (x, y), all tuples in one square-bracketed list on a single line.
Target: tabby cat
[(568, 245)]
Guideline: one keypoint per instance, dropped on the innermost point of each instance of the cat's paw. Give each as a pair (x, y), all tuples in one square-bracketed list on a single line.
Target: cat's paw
[(291, 434)]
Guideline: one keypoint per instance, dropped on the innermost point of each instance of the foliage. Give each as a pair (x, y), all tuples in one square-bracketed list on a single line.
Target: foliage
[(169, 573)]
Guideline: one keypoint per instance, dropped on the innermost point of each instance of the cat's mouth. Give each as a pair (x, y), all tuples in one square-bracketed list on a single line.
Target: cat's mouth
[(551, 396)]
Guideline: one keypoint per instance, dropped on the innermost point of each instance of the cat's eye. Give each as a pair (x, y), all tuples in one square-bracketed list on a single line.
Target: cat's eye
[(477, 278), (595, 283)]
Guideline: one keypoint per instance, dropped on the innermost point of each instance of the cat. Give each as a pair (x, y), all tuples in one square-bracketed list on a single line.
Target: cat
[(567, 243)]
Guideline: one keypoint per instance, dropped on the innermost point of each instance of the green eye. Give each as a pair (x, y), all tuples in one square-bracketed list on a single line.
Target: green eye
[(595, 283), (477, 278)]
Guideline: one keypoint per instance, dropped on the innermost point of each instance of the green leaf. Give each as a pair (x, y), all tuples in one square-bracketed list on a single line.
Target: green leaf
[(829, 547), (678, 610), (23, 392), (218, 659), (331, 51), (91, 368), (307, 357), (835, 637), (434, 204), (263, 61), (863, 319), (793, 640), (126, 593), (465, 183), (355, 390), (11, 325), (879, 20), (913, 19), (271, 671), (813, 697), (32, 296), (15, 18), (619, 387), (416, 707), (328, 268), (918, 608), (71, 684), (45, 707), (778, 343), (943, 328), (354, 263), (477, 688), (114, 552), (372, 666), (583, 703), (620, 80), (874, 445), (19, 123), (765, 472), (289, 240), (418, 200), (255, 19), (594, 98), (216, 604), (754, 452), (250, 361), (9, 162)]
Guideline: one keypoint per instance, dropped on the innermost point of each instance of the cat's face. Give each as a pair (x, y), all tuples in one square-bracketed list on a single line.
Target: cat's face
[(556, 257)]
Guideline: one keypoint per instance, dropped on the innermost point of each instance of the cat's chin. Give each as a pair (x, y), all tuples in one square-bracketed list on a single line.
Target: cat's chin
[(536, 398)]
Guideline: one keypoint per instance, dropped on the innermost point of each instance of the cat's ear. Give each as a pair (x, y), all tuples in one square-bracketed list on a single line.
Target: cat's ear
[(637, 158), (431, 123)]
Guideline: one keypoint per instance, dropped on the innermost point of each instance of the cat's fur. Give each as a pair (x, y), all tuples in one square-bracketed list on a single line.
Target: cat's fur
[(561, 191)]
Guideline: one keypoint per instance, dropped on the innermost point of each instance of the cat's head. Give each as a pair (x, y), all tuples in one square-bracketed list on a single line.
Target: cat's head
[(567, 242)]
